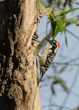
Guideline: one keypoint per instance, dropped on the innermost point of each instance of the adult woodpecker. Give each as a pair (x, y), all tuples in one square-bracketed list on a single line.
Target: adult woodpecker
[(47, 56)]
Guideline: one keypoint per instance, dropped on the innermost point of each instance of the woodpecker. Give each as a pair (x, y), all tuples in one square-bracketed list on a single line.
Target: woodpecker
[(47, 56), (35, 39)]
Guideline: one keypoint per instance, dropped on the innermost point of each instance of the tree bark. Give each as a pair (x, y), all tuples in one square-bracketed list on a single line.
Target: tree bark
[(18, 71)]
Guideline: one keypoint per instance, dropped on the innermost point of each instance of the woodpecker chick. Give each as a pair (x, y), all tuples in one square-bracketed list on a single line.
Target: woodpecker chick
[(35, 39), (47, 56)]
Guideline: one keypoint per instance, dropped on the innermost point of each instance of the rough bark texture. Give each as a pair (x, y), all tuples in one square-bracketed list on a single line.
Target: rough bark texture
[(18, 71)]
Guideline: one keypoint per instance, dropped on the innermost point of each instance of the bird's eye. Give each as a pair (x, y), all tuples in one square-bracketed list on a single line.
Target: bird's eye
[(54, 44)]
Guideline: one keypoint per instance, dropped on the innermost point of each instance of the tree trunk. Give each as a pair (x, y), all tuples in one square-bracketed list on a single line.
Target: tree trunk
[(18, 71)]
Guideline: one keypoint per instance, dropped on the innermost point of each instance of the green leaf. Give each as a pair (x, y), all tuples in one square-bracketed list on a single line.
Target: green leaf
[(55, 82), (53, 90), (71, 21), (65, 12), (56, 31), (62, 24), (66, 41), (71, 10), (62, 83), (69, 3)]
